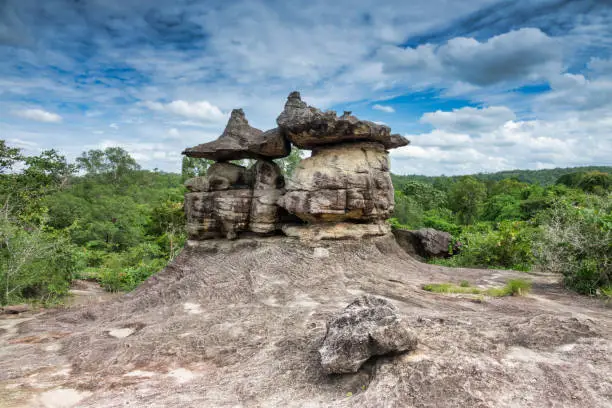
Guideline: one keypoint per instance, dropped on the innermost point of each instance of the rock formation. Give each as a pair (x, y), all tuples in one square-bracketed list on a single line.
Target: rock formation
[(231, 198), (347, 177), (343, 190), (369, 326)]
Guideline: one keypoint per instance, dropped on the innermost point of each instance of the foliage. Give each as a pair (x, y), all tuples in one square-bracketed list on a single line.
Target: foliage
[(289, 164), (442, 219), (577, 242), (465, 198), (114, 162), (114, 223), (8, 157), (429, 197), (507, 244), (542, 177), (597, 182), (194, 167), (34, 264), (407, 211)]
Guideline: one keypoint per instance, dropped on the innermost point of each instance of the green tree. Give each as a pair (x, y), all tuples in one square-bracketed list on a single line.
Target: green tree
[(465, 198), (8, 157), (425, 194), (596, 182), (193, 167), (112, 161)]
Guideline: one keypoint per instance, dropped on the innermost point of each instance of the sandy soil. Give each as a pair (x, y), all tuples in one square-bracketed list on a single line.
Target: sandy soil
[(238, 324)]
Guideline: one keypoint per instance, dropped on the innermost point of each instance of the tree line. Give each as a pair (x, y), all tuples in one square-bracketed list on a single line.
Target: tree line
[(104, 218), (563, 227)]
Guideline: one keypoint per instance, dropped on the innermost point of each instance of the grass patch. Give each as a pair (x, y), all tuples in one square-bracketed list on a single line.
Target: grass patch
[(450, 288), (514, 287)]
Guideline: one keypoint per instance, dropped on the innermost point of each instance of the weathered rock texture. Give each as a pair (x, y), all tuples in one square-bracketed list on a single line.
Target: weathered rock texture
[(424, 243), (241, 141), (233, 199), (369, 326), (335, 230), (340, 183), (239, 323), (346, 180), (308, 127)]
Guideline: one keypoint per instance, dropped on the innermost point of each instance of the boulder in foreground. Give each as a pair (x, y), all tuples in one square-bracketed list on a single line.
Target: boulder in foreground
[(369, 326)]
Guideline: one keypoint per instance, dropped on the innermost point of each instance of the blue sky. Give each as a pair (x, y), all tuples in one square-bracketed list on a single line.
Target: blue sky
[(477, 86)]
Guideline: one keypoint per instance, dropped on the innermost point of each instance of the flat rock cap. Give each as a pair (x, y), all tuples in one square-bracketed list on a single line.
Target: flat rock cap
[(308, 127), (240, 140)]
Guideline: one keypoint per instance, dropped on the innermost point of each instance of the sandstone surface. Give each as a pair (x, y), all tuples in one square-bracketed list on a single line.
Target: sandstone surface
[(342, 182)]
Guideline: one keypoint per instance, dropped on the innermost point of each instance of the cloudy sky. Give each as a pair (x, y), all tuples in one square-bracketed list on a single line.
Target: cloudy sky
[(477, 86)]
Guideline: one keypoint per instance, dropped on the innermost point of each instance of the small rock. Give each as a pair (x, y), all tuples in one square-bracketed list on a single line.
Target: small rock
[(16, 309), (121, 333), (369, 326)]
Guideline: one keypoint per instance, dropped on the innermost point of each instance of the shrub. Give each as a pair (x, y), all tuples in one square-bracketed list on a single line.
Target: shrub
[(507, 246), (577, 242), (442, 220), (518, 287), (35, 265)]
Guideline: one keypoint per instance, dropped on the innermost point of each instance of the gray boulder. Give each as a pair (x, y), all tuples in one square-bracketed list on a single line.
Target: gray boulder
[(308, 127), (239, 140), (369, 326), (424, 243)]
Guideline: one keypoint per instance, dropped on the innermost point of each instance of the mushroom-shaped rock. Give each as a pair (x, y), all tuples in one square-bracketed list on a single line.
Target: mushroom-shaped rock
[(240, 140), (369, 326), (308, 127)]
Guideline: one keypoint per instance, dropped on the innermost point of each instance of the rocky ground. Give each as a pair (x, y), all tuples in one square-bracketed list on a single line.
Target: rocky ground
[(239, 323)]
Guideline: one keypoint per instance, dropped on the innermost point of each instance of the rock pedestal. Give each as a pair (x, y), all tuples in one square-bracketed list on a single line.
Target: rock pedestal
[(231, 198), (342, 191), (346, 180)]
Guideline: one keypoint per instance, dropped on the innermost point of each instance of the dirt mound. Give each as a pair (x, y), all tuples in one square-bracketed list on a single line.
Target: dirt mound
[(239, 323)]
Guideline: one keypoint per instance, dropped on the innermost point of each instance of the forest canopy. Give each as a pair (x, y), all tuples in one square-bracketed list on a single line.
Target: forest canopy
[(104, 218)]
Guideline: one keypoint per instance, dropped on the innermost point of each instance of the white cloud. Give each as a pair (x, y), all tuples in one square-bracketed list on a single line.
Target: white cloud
[(113, 126), (517, 56), (469, 119), (174, 133), (38, 115), (383, 108), (513, 145), (200, 110)]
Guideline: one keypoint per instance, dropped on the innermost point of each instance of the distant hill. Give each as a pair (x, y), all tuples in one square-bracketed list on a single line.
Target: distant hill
[(544, 177)]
